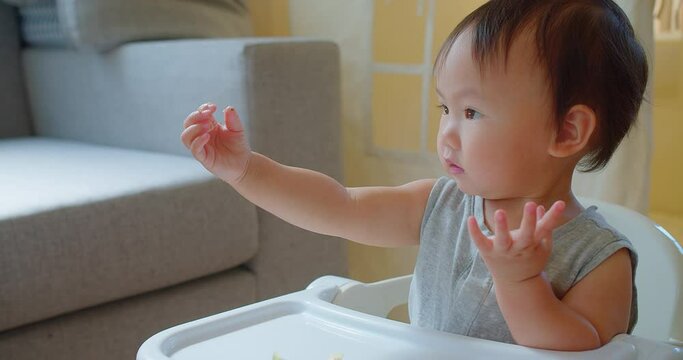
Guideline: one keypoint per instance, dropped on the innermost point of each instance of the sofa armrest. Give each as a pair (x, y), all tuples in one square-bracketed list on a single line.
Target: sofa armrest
[(294, 92)]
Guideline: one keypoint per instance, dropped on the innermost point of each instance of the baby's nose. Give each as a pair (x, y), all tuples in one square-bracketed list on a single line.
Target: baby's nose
[(450, 136), (446, 152)]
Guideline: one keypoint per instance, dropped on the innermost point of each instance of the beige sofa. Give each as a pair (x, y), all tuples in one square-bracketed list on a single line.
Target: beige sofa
[(109, 230)]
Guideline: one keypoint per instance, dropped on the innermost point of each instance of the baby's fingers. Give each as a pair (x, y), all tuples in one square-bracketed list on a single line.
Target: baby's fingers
[(550, 220), (197, 146), (203, 113), (232, 119), (553, 216), (480, 240), (502, 240), (528, 226), (191, 133), (540, 211)]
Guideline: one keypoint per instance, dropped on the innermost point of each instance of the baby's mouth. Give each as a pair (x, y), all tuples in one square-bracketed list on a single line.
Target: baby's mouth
[(454, 168)]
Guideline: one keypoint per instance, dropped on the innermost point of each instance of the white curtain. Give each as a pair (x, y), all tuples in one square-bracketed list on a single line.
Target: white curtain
[(626, 179), (668, 16)]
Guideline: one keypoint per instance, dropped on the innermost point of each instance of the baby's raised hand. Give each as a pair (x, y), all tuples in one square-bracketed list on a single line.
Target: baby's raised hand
[(222, 149), (520, 254)]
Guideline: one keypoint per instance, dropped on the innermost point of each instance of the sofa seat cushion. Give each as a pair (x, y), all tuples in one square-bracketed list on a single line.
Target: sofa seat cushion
[(115, 331), (145, 221)]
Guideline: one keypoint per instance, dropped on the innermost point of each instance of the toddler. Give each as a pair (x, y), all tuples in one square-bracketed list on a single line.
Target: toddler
[(529, 90)]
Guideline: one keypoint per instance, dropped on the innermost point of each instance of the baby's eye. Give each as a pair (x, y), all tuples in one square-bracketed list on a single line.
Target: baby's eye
[(444, 109), (471, 114)]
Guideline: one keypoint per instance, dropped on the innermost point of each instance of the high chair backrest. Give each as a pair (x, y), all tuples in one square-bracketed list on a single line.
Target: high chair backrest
[(659, 275)]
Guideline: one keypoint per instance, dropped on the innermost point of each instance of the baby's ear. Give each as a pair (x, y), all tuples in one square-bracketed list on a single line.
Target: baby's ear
[(575, 132)]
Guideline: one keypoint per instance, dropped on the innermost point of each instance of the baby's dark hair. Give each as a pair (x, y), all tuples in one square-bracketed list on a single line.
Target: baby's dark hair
[(589, 50)]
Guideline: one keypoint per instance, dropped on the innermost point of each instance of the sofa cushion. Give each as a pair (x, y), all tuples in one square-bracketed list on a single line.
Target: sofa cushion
[(145, 221), (24, 2), (40, 24), (116, 330), (105, 24), (15, 120)]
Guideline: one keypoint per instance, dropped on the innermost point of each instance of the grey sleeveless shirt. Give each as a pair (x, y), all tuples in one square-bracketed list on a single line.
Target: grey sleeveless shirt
[(452, 290)]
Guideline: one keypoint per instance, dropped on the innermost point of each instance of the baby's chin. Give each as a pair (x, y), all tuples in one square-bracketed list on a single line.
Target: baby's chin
[(470, 189), (463, 186)]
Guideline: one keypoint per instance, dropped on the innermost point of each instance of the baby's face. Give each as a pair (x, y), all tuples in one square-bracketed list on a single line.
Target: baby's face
[(497, 125)]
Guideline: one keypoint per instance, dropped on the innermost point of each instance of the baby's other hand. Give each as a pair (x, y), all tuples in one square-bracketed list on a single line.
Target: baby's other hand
[(222, 149), (521, 254)]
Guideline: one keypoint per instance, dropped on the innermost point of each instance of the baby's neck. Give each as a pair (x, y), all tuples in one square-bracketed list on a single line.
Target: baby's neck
[(514, 208)]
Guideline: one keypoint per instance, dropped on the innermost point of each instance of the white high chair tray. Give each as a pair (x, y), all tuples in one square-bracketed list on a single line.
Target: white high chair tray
[(307, 325)]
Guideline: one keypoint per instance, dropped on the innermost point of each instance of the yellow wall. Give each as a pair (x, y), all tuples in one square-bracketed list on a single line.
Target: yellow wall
[(666, 198), (401, 148), (270, 17), (400, 36)]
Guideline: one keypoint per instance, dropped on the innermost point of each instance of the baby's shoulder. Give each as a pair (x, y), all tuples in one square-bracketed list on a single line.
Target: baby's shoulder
[(587, 232), (584, 243)]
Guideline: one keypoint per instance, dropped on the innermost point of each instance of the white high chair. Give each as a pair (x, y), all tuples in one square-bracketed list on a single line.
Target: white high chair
[(659, 275), (339, 318)]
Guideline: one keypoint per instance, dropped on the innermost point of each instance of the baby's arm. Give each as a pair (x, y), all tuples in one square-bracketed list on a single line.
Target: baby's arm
[(380, 216), (589, 315)]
